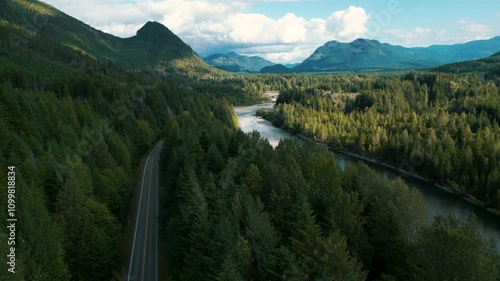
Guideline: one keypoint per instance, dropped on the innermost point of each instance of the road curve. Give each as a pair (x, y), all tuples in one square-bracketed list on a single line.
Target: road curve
[(143, 257)]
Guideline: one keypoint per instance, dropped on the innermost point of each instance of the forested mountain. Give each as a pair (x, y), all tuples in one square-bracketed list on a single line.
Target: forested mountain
[(153, 46), (371, 55), (363, 54), (291, 65), (277, 68), (236, 63), (489, 67), (466, 51)]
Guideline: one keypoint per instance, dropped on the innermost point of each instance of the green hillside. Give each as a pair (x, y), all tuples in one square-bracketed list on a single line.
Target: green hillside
[(489, 67), (237, 63), (36, 26), (277, 68)]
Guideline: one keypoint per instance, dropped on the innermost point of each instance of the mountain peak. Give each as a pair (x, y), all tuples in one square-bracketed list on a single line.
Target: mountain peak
[(364, 41), (152, 26), (332, 43), (157, 33), (360, 40)]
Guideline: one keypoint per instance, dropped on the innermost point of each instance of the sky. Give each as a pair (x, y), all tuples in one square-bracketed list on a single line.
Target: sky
[(288, 31)]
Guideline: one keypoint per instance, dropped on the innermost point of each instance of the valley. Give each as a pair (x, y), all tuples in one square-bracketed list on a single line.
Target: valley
[(137, 159)]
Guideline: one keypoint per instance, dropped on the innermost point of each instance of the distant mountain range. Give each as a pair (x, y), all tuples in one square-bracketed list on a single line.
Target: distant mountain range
[(363, 54), (237, 63)]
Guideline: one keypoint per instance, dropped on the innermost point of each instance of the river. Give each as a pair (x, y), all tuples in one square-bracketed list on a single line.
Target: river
[(438, 200)]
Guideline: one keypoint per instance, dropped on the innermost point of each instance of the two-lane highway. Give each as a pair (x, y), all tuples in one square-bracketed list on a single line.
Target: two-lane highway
[(143, 258)]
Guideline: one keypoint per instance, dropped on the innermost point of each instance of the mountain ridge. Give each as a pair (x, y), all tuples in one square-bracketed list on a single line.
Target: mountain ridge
[(489, 67), (370, 54), (233, 62), (277, 68)]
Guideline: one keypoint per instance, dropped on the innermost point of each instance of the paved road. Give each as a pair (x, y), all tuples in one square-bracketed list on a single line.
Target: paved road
[(143, 258)]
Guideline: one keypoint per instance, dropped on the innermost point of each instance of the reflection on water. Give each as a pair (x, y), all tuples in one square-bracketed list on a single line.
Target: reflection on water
[(439, 201)]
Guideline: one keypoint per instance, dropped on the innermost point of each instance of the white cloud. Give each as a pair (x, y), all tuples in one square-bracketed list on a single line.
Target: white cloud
[(477, 28), (471, 30), (120, 28), (465, 31), (259, 29), (293, 38), (420, 31), (296, 54), (474, 29), (348, 24), (280, 53), (411, 37)]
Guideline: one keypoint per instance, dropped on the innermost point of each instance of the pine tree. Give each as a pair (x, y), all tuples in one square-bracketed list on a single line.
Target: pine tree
[(285, 266), (453, 250), (252, 180), (196, 259), (39, 240), (74, 218), (229, 253), (215, 160), (261, 235)]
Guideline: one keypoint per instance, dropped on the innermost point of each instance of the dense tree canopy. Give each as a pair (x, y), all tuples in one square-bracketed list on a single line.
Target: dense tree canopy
[(442, 126), (234, 208)]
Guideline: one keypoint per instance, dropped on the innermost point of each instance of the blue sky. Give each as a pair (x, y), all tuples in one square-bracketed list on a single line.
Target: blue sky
[(287, 31)]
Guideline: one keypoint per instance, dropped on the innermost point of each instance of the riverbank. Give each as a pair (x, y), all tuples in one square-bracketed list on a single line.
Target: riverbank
[(439, 201), (467, 197)]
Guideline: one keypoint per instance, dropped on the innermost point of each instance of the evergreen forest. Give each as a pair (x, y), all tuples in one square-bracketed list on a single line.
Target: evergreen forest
[(78, 121)]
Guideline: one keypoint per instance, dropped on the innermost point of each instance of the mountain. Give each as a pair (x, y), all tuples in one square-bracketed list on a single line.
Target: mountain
[(490, 67), (237, 63), (291, 65), (372, 55), (154, 45), (467, 51), (277, 68), (362, 54)]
